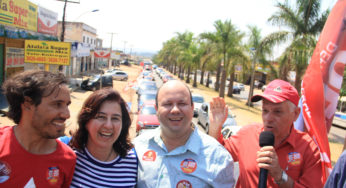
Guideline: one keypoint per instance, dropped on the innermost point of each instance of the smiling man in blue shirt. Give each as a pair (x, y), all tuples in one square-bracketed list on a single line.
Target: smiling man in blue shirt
[(177, 154)]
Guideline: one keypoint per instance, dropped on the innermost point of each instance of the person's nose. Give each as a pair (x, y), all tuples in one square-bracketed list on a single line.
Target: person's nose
[(108, 123), (175, 109), (65, 113), (268, 117)]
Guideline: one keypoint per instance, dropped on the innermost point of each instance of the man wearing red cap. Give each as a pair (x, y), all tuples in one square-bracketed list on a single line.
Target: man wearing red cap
[(293, 161)]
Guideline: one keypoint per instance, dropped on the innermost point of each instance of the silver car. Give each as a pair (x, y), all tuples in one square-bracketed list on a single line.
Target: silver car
[(197, 100), (203, 118), (119, 75)]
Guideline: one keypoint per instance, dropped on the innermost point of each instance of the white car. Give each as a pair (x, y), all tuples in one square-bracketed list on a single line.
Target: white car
[(197, 100), (203, 119), (241, 86)]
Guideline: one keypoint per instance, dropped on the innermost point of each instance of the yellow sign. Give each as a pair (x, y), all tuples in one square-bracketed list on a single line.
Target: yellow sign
[(18, 13), (47, 52)]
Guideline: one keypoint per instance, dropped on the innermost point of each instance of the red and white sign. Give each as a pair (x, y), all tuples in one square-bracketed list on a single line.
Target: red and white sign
[(102, 53), (47, 21), (324, 76)]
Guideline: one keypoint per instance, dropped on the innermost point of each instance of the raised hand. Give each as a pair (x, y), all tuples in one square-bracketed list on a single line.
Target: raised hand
[(217, 116)]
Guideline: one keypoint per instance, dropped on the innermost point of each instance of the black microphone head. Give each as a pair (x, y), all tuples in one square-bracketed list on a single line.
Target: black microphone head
[(266, 138)]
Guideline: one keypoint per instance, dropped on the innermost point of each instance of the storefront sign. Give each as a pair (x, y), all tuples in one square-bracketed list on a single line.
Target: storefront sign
[(115, 55), (47, 52), (14, 57), (19, 14), (101, 53), (80, 49), (47, 21)]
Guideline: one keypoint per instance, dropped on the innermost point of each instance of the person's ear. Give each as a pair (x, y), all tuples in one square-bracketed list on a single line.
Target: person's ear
[(296, 113), (27, 103)]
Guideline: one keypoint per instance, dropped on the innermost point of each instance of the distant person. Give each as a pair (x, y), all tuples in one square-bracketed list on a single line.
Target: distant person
[(177, 154), (294, 161), (105, 155), (30, 155), (337, 179)]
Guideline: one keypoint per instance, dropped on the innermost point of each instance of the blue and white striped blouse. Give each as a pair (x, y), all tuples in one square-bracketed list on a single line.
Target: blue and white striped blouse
[(90, 172)]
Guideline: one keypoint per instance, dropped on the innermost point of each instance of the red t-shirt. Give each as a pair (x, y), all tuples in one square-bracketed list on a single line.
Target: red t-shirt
[(298, 156), (19, 168)]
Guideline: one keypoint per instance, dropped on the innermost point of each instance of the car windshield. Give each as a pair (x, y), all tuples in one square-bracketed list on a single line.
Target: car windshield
[(95, 78), (146, 97), (198, 99), (148, 110), (148, 87)]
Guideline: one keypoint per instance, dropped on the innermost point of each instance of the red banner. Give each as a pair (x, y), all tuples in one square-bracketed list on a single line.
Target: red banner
[(322, 82), (102, 54)]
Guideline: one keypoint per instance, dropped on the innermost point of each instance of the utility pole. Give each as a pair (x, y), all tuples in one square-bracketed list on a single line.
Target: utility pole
[(62, 36), (124, 46), (110, 51)]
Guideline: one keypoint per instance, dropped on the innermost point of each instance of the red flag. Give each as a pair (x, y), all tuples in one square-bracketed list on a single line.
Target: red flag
[(322, 82)]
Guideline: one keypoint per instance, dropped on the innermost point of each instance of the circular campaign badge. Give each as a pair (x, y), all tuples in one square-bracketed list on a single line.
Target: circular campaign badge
[(188, 165), (184, 184), (150, 155)]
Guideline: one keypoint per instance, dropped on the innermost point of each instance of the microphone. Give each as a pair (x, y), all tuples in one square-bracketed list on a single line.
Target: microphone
[(266, 138)]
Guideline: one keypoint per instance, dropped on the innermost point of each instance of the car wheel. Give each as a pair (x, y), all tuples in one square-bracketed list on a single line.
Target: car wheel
[(207, 128), (198, 122)]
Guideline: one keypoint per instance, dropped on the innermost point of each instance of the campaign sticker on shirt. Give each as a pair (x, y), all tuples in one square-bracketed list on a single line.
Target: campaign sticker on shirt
[(294, 158), (5, 171), (53, 175), (188, 165), (184, 184), (149, 156)]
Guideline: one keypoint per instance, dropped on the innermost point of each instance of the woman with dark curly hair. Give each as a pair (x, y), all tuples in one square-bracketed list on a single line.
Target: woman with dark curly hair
[(105, 155)]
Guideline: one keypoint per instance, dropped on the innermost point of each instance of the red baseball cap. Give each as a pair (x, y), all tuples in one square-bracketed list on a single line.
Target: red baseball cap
[(278, 91)]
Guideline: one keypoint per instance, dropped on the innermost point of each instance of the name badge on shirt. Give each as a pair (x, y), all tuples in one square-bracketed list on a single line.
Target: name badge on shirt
[(188, 165), (53, 175), (184, 184), (150, 155), (294, 158)]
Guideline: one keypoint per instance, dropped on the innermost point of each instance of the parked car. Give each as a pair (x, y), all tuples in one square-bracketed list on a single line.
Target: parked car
[(264, 88), (147, 118), (197, 100), (147, 96), (203, 118), (206, 81), (93, 83), (236, 89), (144, 87), (241, 86), (120, 75), (166, 78)]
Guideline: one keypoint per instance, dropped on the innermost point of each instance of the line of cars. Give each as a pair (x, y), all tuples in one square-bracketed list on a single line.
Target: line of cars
[(105, 80), (147, 118), (146, 92)]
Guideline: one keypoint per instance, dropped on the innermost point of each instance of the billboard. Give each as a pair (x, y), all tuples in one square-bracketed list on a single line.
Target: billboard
[(19, 14), (47, 52), (47, 21)]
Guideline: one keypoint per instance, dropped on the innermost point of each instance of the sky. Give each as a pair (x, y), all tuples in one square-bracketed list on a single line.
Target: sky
[(144, 25)]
